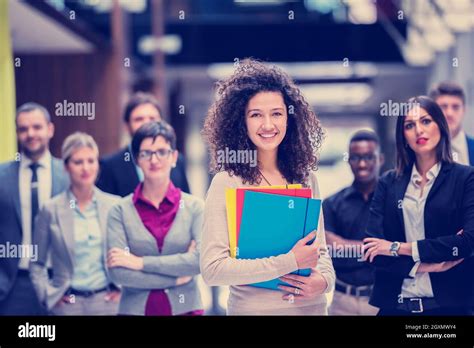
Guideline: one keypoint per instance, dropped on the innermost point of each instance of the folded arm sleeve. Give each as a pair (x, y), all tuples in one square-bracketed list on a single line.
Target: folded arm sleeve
[(401, 265), (453, 247), (182, 264), (116, 238)]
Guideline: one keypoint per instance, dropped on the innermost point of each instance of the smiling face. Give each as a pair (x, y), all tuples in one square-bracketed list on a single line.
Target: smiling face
[(83, 167), (421, 132), (34, 133), (365, 160), (266, 120)]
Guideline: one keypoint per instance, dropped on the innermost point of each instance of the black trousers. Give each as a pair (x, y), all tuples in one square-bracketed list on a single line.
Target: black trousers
[(22, 299)]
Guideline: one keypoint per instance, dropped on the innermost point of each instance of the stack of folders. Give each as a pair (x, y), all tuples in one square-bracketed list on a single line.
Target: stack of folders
[(268, 221)]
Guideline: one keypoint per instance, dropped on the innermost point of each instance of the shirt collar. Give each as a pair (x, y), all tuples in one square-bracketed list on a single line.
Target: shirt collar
[(352, 191), (71, 197), (459, 140), (44, 161), (431, 175), (172, 195)]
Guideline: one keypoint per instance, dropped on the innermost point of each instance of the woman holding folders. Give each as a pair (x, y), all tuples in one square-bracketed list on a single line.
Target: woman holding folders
[(260, 109), (421, 225)]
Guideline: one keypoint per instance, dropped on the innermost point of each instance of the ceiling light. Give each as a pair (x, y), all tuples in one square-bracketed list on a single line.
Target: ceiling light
[(342, 94)]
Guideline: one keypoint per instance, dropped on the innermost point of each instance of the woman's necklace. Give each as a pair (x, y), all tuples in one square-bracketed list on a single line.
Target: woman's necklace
[(268, 182), (264, 178)]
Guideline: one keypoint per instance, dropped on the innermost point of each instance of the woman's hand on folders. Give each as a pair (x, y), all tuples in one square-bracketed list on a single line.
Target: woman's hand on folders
[(303, 287), (306, 255)]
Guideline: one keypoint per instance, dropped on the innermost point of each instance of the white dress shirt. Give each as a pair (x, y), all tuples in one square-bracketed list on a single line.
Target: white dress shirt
[(44, 193), (459, 148), (414, 220)]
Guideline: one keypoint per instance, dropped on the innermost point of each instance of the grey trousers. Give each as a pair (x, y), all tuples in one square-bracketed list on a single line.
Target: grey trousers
[(92, 305), (344, 304)]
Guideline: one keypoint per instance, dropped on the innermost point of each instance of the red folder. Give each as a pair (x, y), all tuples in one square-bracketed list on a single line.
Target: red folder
[(301, 192)]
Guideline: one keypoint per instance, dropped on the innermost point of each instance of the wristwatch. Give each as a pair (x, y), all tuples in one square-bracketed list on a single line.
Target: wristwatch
[(394, 247)]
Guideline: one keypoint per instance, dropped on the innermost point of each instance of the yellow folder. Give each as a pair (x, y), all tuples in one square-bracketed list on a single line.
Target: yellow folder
[(231, 208)]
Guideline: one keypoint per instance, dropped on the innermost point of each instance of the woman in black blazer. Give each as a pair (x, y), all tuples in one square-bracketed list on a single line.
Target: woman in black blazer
[(421, 224)]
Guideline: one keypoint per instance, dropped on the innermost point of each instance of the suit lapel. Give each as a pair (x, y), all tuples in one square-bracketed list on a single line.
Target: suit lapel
[(16, 189), (130, 176), (470, 149), (66, 224), (59, 183), (443, 174), (54, 184), (401, 185), (102, 210)]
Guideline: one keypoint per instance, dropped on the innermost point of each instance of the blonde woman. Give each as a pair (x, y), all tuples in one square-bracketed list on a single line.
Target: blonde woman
[(71, 227)]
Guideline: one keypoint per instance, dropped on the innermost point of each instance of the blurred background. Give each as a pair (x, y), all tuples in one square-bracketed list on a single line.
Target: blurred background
[(348, 57)]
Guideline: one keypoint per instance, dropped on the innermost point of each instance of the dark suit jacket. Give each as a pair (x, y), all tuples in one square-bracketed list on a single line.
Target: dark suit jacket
[(470, 149), (10, 214), (449, 208), (118, 174)]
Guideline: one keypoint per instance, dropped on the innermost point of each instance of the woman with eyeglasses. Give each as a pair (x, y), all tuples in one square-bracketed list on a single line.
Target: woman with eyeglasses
[(421, 224), (154, 234)]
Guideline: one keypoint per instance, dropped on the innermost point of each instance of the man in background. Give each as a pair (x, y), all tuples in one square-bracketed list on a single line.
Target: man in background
[(119, 175), (345, 218), (26, 184), (451, 98)]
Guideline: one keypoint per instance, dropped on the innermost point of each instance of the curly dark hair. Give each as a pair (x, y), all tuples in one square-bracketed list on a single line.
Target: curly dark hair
[(225, 125)]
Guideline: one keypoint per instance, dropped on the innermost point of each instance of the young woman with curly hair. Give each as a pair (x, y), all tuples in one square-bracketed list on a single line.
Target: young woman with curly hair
[(260, 109)]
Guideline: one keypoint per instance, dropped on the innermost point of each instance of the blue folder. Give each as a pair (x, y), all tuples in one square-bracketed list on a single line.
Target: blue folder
[(272, 224)]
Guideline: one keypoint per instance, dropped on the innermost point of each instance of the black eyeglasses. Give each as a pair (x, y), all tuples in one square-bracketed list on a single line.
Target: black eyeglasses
[(160, 154), (358, 158)]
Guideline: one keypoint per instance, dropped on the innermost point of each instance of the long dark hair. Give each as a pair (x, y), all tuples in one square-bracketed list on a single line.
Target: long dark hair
[(405, 155), (225, 123)]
